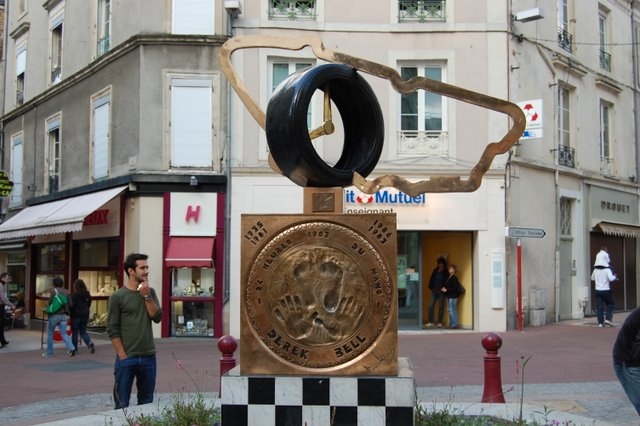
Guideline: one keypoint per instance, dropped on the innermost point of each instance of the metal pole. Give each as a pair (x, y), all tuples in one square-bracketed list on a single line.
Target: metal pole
[(519, 267)]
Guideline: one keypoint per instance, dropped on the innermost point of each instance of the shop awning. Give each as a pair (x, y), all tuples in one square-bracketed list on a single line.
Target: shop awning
[(56, 217), (190, 252), (618, 229)]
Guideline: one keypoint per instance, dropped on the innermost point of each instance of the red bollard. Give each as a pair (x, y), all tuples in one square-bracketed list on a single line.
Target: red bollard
[(491, 342), (227, 345)]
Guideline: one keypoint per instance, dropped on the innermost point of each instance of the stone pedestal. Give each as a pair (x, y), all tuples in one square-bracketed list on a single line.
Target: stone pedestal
[(270, 400)]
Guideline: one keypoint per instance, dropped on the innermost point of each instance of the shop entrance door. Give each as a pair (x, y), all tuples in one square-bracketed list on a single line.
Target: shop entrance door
[(456, 248)]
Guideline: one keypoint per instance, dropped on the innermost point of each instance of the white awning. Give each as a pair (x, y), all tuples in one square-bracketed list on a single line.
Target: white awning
[(618, 229), (56, 217)]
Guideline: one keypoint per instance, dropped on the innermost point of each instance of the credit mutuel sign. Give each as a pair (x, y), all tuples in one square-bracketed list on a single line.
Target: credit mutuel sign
[(382, 201)]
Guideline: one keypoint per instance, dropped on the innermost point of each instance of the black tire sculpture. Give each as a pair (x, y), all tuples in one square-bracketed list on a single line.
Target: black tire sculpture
[(288, 135)]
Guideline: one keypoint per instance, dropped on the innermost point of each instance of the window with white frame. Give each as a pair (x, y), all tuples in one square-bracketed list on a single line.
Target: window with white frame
[(21, 65), (292, 9), (566, 153), (565, 39), (56, 49), (22, 6), (193, 17), (423, 120), (605, 56), (101, 124), (606, 151), (191, 122), (103, 27), (279, 69), (54, 139), (16, 174)]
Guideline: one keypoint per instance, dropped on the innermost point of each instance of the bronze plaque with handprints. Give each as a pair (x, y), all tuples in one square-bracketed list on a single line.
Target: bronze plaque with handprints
[(319, 294)]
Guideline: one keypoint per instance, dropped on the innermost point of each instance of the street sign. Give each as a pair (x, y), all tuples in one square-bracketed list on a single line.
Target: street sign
[(520, 232)]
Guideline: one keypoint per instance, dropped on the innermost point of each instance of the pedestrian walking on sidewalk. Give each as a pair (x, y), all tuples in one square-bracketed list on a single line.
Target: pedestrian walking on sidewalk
[(626, 357), (129, 314), (80, 309), (4, 301), (58, 316), (602, 276)]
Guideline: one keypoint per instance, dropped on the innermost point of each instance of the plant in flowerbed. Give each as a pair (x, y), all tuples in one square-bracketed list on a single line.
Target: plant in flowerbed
[(185, 409)]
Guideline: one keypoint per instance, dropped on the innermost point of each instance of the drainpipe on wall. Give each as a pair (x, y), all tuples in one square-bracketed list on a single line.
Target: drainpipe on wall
[(634, 79), (227, 215)]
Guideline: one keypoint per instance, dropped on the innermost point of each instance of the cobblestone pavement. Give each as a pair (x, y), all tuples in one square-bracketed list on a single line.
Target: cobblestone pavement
[(567, 375)]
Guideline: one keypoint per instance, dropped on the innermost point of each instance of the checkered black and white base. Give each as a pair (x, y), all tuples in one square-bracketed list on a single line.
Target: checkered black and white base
[(311, 401)]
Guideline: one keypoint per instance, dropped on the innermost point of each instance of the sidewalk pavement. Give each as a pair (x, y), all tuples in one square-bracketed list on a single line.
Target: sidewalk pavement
[(567, 377)]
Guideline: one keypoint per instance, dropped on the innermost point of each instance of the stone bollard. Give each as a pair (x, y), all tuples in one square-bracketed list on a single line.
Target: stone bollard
[(491, 342), (227, 345)]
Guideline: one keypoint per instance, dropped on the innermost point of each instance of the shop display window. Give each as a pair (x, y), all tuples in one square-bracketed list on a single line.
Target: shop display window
[(192, 297), (98, 268), (50, 261)]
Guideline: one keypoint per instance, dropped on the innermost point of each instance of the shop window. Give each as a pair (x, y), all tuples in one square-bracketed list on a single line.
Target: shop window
[(98, 268), (50, 261), (192, 302)]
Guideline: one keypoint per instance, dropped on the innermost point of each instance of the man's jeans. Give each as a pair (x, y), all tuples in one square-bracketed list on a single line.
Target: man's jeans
[(629, 378), (604, 297), (439, 299), (60, 321), (140, 368)]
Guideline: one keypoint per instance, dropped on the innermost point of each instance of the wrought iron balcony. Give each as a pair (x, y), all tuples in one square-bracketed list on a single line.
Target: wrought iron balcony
[(292, 9), (423, 143), (605, 60), (566, 156), (565, 40), (421, 10), (19, 97)]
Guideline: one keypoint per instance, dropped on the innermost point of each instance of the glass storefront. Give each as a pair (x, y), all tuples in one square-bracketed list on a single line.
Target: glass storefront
[(192, 302), (410, 278), (50, 261), (98, 267)]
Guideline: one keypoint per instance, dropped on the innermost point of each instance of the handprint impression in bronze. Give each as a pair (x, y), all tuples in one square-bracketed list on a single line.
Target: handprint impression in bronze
[(320, 296)]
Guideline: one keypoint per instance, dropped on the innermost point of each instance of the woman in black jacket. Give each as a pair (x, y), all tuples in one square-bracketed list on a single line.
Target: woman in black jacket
[(452, 291), (80, 308)]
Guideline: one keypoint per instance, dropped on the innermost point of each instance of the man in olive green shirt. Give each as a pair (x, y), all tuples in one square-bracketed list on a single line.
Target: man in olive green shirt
[(130, 312)]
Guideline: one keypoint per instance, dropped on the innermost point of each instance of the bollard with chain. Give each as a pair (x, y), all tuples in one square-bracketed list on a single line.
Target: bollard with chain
[(227, 345), (491, 342)]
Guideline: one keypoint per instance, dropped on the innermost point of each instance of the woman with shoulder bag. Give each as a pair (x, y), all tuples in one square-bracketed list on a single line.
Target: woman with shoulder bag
[(80, 310), (452, 290)]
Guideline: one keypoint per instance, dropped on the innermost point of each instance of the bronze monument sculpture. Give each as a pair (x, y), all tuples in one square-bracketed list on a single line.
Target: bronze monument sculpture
[(319, 289)]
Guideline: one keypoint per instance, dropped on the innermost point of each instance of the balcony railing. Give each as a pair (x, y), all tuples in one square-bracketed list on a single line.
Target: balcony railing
[(421, 10), (605, 60), (566, 156), (292, 9), (607, 166), (565, 40), (19, 97), (424, 143), (103, 45)]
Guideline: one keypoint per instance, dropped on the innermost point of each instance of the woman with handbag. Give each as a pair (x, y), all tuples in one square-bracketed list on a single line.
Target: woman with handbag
[(452, 290), (58, 313)]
